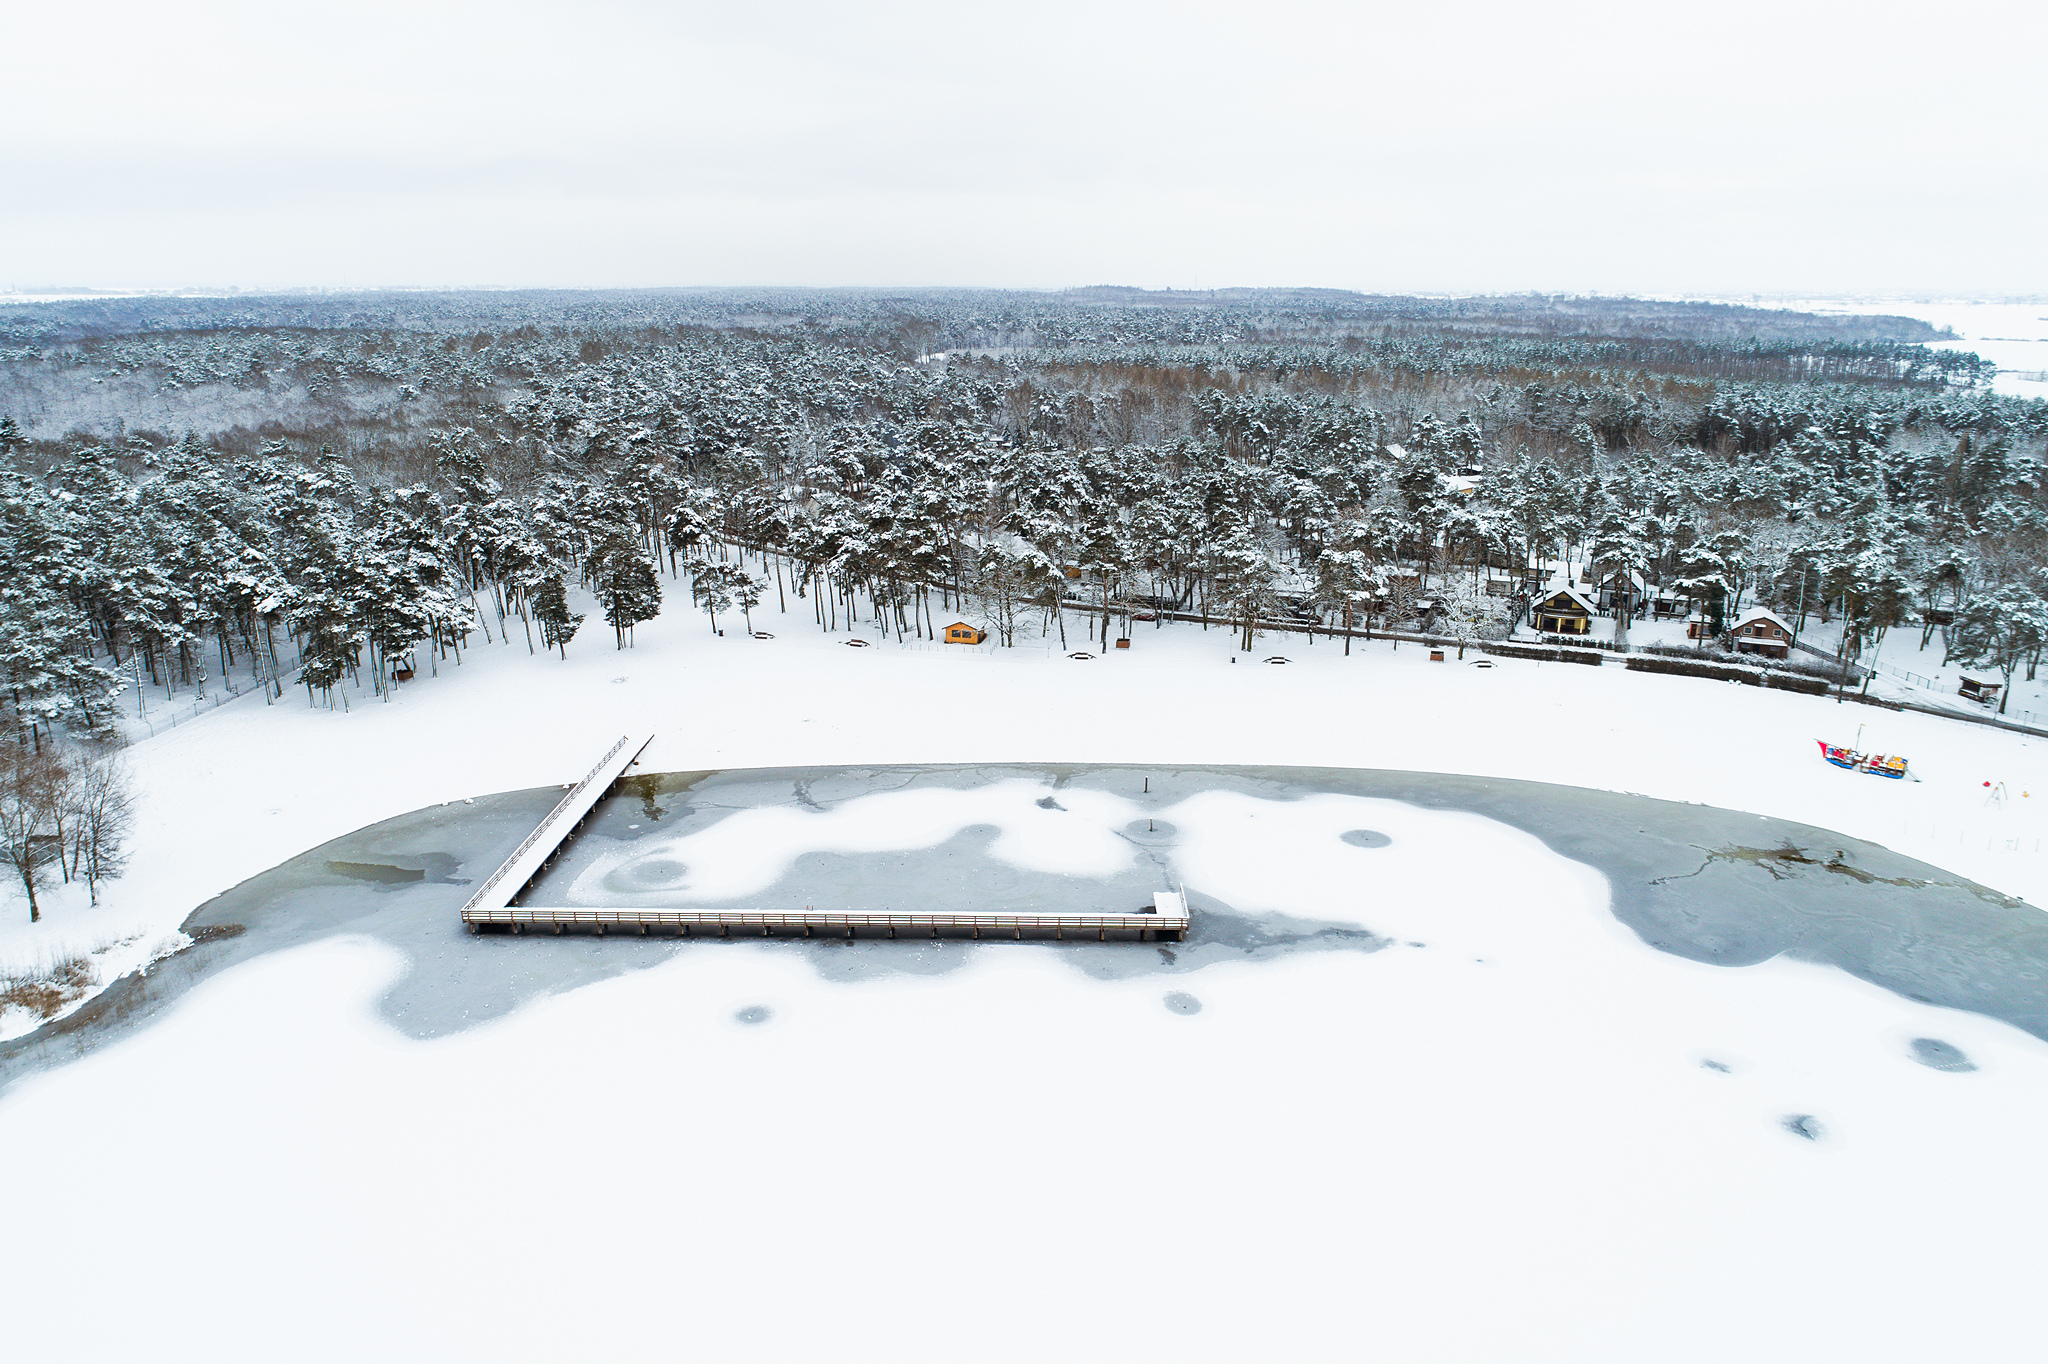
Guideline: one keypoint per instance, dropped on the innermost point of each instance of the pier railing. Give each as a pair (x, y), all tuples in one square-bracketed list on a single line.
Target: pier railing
[(542, 829)]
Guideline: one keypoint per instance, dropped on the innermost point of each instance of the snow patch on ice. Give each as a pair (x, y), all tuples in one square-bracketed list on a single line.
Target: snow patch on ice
[(745, 853)]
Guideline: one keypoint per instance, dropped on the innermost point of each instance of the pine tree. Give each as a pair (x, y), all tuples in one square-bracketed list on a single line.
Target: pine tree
[(624, 582), (551, 611), (711, 588)]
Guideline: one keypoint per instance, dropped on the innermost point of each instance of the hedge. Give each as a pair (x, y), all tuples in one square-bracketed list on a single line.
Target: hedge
[(1543, 655), (1684, 668), (1806, 686), (1720, 672)]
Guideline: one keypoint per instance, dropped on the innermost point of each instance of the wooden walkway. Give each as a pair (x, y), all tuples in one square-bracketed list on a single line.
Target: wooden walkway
[(532, 856), (495, 905), (1167, 922)]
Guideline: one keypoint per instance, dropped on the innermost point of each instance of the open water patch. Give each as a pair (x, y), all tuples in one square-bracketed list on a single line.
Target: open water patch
[(1936, 1054), (398, 872)]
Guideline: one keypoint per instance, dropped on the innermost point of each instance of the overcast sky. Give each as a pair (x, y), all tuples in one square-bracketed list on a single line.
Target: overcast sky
[(1788, 146)]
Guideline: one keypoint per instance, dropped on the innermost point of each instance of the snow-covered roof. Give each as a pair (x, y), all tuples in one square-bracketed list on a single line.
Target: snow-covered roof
[(1578, 598), (1634, 578), (1759, 613)]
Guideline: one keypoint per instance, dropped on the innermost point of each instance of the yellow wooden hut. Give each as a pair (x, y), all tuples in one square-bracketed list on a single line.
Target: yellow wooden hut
[(960, 632), (1562, 611)]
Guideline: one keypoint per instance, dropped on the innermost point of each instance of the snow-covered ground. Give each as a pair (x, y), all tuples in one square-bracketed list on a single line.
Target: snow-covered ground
[(245, 786), (1531, 1138), (1910, 671)]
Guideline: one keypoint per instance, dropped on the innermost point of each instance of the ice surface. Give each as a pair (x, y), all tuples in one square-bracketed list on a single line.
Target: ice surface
[(1071, 834), (1495, 1141)]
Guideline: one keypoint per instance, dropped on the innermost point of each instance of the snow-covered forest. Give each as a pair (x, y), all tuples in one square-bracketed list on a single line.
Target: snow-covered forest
[(302, 489)]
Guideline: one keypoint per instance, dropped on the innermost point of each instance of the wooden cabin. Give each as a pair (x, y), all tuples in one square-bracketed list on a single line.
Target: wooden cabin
[(960, 632), (1987, 692), (1761, 632), (1561, 611)]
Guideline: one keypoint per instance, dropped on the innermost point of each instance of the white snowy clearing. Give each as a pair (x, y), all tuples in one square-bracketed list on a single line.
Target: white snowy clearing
[(1505, 1144)]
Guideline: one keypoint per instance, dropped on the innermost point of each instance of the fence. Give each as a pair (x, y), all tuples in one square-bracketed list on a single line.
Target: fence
[(1855, 670), (184, 712), (1961, 712), (1915, 678)]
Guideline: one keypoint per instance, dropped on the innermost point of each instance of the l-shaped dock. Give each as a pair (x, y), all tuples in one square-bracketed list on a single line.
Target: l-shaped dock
[(496, 904)]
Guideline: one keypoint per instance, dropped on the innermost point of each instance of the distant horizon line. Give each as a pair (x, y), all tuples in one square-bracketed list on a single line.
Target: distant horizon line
[(31, 294)]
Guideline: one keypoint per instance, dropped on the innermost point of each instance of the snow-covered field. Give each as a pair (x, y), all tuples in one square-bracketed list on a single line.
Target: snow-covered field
[(246, 786), (1532, 1137)]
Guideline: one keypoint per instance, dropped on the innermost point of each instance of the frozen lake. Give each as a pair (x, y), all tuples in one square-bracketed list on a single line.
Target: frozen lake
[(1448, 1065), (1273, 860)]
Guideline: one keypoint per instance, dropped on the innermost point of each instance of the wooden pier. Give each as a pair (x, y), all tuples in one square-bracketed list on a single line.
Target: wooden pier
[(495, 905), (533, 855), (1167, 921)]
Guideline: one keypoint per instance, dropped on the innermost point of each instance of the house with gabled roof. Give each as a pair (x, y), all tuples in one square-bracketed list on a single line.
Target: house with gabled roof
[(1560, 609), (1761, 632), (1618, 587)]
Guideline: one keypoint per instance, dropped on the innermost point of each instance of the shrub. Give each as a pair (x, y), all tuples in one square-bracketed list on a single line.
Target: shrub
[(1818, 667), (1685, 668), (45, 991), (1805, 686), (1543, 655)]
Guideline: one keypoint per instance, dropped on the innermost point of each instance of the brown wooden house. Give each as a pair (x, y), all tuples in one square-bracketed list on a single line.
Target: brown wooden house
[(1761, 632), (960, 632)]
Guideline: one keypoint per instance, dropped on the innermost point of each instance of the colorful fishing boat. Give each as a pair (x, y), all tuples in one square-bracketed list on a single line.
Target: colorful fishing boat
[(1876, 764)]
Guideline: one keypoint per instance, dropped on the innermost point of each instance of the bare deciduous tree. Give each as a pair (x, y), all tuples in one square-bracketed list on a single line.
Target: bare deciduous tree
[(32, 794), (99, 809)]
